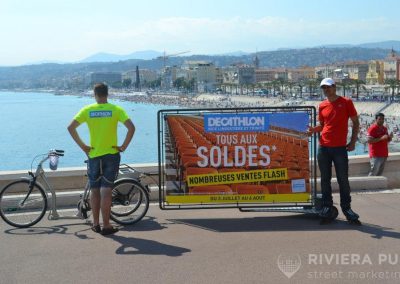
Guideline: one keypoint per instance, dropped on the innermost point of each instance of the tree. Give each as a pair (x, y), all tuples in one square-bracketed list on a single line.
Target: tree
[(357, 83), (116, 84), (191, 84), (126, 83), (301, 84), (179, 83), (154, 84), (312, 85), (345, 83), (392, 84), (275, 86), (290, 85), (282, 83), (269, 87), (183, 84)]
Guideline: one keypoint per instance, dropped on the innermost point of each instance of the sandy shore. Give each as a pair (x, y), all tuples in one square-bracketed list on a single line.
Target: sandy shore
[(365, 109)]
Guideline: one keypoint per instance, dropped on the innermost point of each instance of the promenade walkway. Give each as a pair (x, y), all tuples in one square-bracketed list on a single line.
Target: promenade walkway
[(211, 246)]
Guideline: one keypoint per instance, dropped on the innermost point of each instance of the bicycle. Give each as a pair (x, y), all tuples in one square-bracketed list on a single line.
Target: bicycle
[(23, 203)]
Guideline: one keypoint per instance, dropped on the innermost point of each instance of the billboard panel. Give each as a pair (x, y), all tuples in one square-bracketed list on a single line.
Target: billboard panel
[(234, 157)]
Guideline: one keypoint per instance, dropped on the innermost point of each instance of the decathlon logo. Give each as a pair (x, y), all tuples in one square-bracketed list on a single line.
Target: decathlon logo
[(239, 122), (102, 113)]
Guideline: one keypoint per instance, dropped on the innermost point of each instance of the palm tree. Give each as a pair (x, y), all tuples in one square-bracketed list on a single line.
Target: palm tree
[(357, 83), (269, 87), (258, 85), (301, 84), (345, 83), (275, 85), (282, 83), (312, 85), (290, 84), (392, 84)]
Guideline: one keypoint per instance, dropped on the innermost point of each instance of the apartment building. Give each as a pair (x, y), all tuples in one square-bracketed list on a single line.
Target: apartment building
[(375, 72), (109, 78), (391, 66)]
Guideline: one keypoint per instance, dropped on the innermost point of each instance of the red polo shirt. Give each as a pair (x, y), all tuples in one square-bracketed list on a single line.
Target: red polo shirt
[(378, 149), (335, 118)]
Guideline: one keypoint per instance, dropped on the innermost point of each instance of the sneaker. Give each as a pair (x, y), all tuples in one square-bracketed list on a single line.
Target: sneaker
[(350, 214)]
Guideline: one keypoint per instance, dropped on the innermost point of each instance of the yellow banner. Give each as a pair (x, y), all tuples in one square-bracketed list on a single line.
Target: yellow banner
[(237, 177), (239, 198)]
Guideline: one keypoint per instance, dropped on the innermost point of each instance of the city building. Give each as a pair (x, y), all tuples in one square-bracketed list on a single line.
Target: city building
[(356, 70), (325, 71), (206, 76), (375, 72), (303, 73), (145, 75), (110, 78), (264, 75), (391, 66)]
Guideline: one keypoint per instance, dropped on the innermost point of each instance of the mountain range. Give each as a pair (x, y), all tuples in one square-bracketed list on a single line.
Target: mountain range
[(109, 57), (55, 75), (151, 54)]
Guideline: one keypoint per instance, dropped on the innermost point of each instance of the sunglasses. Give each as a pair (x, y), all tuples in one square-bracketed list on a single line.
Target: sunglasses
[(326, 87)]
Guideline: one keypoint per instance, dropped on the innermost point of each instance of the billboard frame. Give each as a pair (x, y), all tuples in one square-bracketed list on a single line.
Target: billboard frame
[(281, 206)]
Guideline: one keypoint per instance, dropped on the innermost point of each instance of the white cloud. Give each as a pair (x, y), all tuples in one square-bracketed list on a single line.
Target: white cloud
[(211, 35), (70, 41)]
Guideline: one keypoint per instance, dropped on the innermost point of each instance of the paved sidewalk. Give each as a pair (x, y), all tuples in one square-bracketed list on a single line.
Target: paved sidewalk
[(211, 246)]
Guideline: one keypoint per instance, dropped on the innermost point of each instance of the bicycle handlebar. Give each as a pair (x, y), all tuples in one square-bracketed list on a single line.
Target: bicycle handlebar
[(57, 152)]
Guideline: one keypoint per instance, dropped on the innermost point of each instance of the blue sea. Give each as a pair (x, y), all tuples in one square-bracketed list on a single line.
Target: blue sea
[(33, 123)]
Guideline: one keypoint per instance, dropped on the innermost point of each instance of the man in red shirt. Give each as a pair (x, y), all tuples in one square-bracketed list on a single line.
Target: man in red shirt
[(334, 114), (378, 139)]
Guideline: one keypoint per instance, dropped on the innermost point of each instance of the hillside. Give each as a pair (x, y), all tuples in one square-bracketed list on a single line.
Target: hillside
[(54, 75)]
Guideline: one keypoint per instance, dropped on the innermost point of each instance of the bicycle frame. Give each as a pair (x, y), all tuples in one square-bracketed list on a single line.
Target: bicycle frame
[(130, 179), (40, 173)]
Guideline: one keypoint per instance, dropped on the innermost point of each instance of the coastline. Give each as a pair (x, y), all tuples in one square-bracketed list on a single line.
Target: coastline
[(209, 100)]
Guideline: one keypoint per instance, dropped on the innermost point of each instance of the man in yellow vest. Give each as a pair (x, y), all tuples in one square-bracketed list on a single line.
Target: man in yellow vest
[(104, 153)]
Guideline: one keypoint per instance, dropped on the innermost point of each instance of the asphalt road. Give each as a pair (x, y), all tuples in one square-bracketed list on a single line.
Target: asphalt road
[(211, 246)]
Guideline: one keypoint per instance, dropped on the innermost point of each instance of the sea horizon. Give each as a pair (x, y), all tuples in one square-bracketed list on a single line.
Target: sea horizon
[(35, 122)]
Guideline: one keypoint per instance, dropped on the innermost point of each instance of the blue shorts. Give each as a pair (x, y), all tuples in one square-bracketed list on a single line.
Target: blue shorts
[(103, 170)]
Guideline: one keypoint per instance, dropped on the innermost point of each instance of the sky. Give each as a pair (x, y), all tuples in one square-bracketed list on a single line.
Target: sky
[(70, 30)]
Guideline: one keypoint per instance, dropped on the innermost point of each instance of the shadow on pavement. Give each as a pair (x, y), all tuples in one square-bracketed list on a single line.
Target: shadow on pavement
[(59, 229), (131, 245), (298, 222), (146, 224)]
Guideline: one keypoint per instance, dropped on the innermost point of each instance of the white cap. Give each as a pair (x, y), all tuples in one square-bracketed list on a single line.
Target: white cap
[(327, 82)]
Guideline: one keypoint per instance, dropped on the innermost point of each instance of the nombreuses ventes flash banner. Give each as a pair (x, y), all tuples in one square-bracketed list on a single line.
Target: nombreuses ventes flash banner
[(249, 157)]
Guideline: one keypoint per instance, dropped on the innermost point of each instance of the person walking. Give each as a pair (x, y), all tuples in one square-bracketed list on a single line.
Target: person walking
[(102, 119), (334, 114), (378, 140)]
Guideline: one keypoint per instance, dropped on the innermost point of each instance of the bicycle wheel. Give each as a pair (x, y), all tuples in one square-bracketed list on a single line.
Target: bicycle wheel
[(130, 202), (20, 210)]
